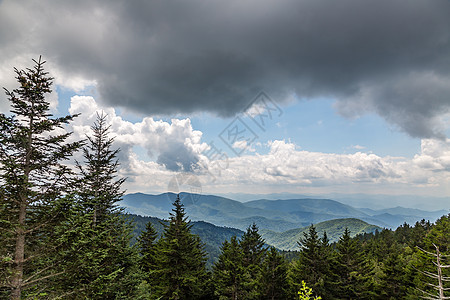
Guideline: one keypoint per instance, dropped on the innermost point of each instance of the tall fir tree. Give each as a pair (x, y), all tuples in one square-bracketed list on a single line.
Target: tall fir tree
[(148, 260), (253, 253), (99, 255), (393, 285), (100, 190), (181, 260), (351, 269), (33, 183), (148, 250), (274, 283), (228, 272), (312, 265)]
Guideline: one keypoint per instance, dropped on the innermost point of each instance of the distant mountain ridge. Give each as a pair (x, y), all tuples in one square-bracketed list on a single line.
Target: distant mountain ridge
[(281, 222), (357, 200), (274, 215), (320, 206)]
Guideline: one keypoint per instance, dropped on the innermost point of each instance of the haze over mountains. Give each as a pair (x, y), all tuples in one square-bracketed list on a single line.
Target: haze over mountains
[(358, 200), (273, 215)]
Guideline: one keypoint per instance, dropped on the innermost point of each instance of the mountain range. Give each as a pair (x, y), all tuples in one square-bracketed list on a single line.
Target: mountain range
[(282, 223), (274, 215), (213, 236)]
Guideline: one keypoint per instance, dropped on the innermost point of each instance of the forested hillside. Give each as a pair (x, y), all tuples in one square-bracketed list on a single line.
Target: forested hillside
[(212, 236), (335, 228)]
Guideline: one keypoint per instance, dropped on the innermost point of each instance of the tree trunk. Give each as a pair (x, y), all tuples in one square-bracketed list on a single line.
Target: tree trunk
[(438, 264), (19, 254)]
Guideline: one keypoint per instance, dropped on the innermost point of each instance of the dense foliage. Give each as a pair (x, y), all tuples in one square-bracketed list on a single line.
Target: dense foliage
[(211, 235), (34, 184), (287, 240), (98, 260)]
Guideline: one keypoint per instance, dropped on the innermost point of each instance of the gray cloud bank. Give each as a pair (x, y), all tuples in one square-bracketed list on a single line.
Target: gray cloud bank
[(391, 57)]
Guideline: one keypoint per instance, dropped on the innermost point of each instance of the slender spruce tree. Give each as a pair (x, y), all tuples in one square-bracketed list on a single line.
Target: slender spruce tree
[(33, 182), (351, 269), (274, 283), (393, 283), (181, 260), (100, 190), (253, 254), (312, 264), (228, 272), (101, 262), (148, 260), (147, 248)]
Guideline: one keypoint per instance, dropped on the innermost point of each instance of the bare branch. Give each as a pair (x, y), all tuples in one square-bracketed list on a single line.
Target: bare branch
[(43, 278)]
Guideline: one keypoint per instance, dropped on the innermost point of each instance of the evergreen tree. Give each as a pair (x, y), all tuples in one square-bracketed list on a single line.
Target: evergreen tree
[(182, 259), (439, 235), (326, 268), (101, 262), (350, 269), (393, 285), (253, 253), (228, 272), (419, 231), (148, 250), (252, 245), (274, 276), (312, 264), (100, 190), (148, 260), (33, 183)]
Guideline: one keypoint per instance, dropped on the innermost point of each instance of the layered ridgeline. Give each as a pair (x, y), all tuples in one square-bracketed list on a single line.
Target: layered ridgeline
[(213, 236), (282, 223), (274, 215)]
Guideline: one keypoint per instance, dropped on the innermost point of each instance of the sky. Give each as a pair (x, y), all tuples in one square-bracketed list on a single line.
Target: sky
[(257, 97)]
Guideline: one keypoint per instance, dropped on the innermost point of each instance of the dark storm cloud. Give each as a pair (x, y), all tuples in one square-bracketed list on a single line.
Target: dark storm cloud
[(164, 57)]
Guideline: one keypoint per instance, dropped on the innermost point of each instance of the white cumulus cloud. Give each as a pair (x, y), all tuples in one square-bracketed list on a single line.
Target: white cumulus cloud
[(154, 151)]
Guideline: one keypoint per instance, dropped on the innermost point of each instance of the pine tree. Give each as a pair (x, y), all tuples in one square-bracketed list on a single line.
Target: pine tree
[(148, 250), (100, 190), (326, 268), (252, 245), (33, 183), (182, 259), (148, 261), (99, 255), (312, 264), (228, 272), (253, 253), (393, 285), (350, 269), (99, 261), (274, 283)]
